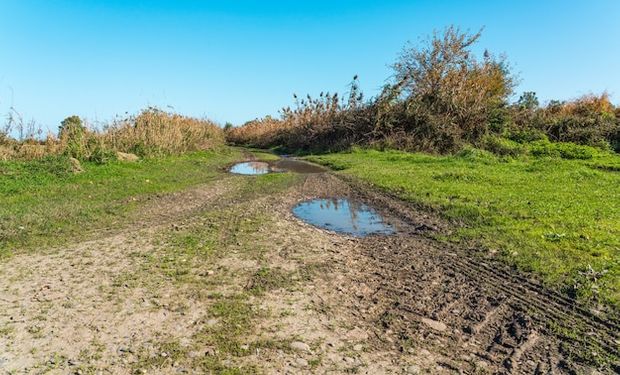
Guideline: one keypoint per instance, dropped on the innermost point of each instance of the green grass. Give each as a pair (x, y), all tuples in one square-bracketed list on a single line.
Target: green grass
[(42, 203), (558, 218)]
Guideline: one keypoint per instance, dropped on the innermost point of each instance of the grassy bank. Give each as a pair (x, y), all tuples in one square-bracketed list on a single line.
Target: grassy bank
[(43, 203), (558, 218)]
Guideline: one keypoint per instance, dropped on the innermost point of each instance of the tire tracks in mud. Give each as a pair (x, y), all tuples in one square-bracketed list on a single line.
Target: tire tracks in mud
[(486, 312)]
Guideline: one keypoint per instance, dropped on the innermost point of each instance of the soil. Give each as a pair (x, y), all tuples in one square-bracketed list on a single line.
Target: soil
[(401, 304)]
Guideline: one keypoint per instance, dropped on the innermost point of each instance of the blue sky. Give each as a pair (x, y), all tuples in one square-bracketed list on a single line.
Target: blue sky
[(238, 60)]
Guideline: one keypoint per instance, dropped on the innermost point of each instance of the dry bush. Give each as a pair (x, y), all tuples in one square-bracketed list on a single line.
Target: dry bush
[(449, 94), (442, 97), (313, 124), (150, 133), (154, 132), (588, 120)]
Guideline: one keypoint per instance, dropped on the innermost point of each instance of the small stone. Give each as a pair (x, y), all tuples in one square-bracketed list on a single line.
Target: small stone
[(413, 369), (481, 364), (300, 362), (425, 352), (300, 346), (211, 322), (358, 347), (245, 347), (349, 360), (438, 326)]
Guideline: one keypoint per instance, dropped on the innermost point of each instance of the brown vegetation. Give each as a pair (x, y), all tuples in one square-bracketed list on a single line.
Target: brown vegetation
[(442, 98), (152, 132)]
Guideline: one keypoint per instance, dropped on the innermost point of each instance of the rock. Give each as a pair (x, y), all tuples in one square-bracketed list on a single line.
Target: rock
[(300, 346), (76, 167), (124, 156), (358, 347), (211, 322), (438, 326), (413, 369), (300, 362), (357, 334)]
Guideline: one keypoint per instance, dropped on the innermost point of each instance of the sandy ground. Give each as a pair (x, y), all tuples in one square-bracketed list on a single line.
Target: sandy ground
[(279, 296)]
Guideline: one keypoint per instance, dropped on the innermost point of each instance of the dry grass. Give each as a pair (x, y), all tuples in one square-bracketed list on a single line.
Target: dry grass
[(155, 132), (442, 99), (151, 133)]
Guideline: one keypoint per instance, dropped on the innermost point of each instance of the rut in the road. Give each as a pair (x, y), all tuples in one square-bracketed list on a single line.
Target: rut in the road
[(487, 315)]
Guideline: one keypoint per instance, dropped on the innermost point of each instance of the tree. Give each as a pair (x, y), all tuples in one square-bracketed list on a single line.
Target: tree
[(448, 90), (528, 100)]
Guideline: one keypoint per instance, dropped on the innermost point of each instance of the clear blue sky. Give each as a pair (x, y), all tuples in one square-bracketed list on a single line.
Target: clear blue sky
[(238, 60)]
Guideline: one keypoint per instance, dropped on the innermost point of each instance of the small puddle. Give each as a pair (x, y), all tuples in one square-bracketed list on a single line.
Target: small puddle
[(281, 165), (343, 216), (251, 168)]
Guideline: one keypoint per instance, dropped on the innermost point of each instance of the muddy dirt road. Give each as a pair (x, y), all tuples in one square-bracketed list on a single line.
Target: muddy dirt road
[(224, 279)]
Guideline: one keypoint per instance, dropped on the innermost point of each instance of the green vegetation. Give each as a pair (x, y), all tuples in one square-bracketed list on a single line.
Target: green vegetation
[(42, 202), (557, 217)]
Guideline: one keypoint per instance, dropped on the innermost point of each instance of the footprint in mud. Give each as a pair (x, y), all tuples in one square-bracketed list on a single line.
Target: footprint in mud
[(343, 216)]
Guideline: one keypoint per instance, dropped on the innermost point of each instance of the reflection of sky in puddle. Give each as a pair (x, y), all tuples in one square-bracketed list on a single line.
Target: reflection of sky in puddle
[(341, 215), (282, 165), (251, 168)]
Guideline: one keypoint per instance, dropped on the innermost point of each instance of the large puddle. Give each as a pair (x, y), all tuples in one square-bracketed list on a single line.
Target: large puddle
[(343, 216), (280, 165)]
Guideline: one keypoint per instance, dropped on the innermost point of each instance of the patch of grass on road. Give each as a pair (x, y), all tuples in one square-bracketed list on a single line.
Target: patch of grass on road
[(42, 203), (559, 218)]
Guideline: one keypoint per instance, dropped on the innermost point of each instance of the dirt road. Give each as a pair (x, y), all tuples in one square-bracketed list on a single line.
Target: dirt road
[(223, 279)]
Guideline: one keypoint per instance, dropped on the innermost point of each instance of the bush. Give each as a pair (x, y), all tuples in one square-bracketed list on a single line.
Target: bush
[(588, 120), (562, 150), (502, 146), (72, 134), (527, 136), (155, 132), (574, 151)]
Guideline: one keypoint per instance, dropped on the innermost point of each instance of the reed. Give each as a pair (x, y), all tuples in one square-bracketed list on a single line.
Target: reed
[(150, 133)]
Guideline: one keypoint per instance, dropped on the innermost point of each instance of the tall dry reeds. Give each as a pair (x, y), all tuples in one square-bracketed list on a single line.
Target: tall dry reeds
[(155, 132), (150, 133)]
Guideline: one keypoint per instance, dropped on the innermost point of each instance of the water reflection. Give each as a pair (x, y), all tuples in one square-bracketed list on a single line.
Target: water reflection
[(342, 215), (281, 165), (251, 168)]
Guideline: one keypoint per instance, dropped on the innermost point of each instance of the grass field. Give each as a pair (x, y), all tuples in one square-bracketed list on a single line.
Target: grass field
[(43, 203), (558, 218)]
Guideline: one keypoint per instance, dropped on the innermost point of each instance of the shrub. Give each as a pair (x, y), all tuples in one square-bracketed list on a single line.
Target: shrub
[(588, 120), (543, 148), (502, 146), (451, 93), (563, 150), (526, 136), (72, 134), (155, 132), (574, 151)]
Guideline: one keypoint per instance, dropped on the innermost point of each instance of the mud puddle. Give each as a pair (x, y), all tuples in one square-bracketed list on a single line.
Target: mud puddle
[(343, 216), (281, 165), (251, 168)]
